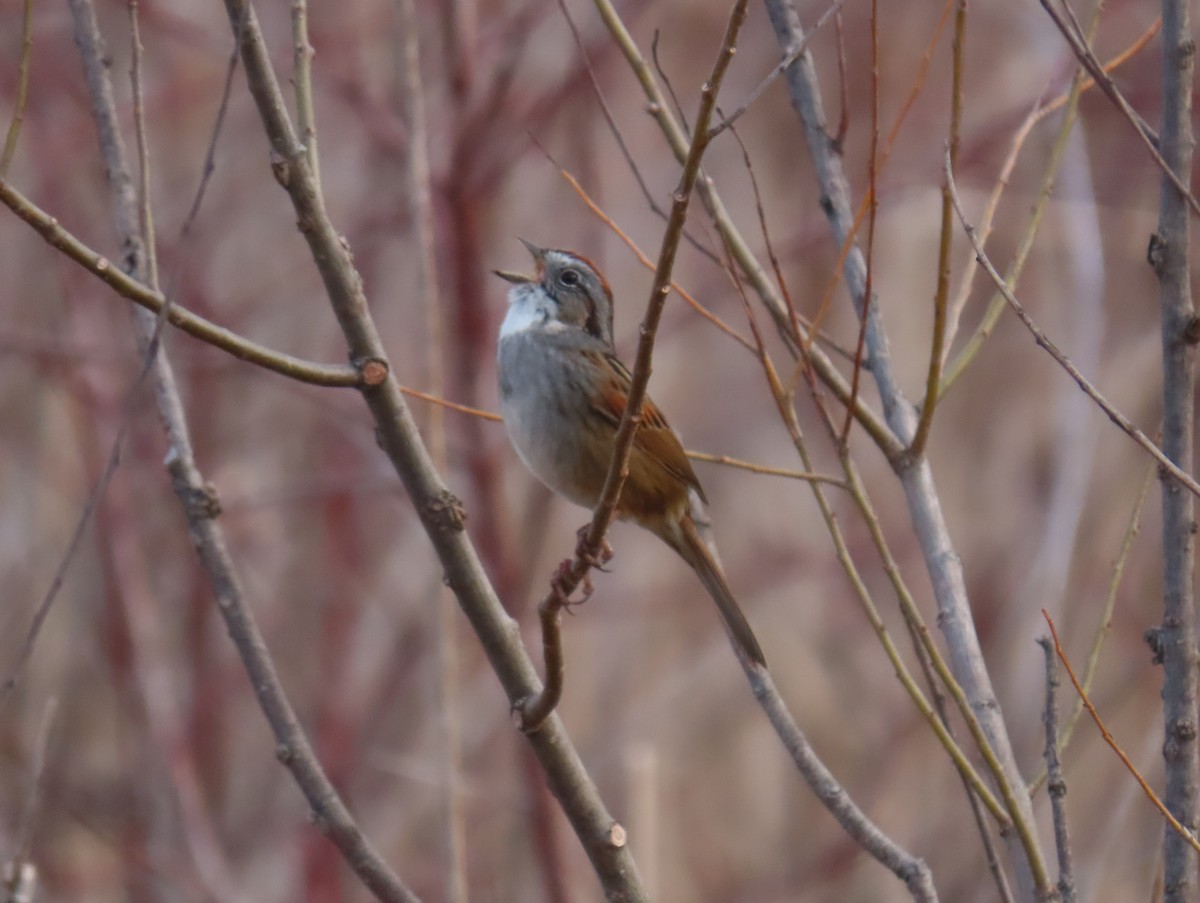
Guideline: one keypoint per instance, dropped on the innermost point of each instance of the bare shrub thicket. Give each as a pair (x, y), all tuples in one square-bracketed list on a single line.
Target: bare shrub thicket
[(236, 658)]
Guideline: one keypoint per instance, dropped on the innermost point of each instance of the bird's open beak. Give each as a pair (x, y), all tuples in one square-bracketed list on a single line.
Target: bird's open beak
[(510, 276), (538, 255)]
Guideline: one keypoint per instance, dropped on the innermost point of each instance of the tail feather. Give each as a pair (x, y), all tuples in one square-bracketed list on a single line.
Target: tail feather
[(693, 548)]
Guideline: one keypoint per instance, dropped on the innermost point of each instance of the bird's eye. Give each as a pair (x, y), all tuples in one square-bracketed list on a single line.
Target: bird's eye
[(569, 277)]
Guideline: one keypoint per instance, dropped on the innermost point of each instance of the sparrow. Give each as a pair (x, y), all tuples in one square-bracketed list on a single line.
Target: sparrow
[(562, 394)]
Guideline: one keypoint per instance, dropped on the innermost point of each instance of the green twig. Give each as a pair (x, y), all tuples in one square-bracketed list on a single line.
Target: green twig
[(945, 243), (995, 307)]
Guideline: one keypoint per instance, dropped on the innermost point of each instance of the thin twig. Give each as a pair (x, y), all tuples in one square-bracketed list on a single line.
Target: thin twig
[(1187, 836), (441, 514), (769, 471), (746, 261), (448, 702), (773, 76), (670, 88), (1057, 785), (195, 325), (942, 562), (1080, 46), (867, 298), (630, 161), (1104, 625), (450, 405), (534, 711), (913, 871), (210, 152), (723, 460), (1185, 479), (14, 127), (995, 307), (201, 506), (302, 57), (20, 874), (945, 244), (85, 518)]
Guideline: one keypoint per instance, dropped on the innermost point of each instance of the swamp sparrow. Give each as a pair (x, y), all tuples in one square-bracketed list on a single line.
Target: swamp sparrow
[(562, 394)]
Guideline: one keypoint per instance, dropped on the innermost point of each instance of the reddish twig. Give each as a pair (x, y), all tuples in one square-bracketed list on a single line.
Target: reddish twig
[(1158, 804), (534, 711)]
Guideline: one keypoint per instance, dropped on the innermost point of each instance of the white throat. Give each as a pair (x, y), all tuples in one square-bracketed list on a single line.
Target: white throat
[(528, 309)]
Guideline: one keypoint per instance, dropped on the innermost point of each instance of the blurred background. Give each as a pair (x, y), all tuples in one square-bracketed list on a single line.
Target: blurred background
[(159, 780)]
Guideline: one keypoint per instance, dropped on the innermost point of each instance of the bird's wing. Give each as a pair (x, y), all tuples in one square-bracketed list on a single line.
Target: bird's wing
[(654, 437)]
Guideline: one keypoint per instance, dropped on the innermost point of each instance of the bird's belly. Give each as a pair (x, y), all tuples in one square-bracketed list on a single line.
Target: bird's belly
[(551, 424)]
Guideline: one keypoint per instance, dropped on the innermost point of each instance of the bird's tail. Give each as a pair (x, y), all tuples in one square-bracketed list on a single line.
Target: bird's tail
[(693, 547)]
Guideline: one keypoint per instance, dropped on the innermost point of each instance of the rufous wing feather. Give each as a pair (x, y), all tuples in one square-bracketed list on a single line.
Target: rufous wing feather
[(655, 439)]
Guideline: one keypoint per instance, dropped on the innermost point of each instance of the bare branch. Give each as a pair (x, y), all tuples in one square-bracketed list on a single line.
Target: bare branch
[(788, 58), (14, 127), (942, 561), (302, 57), (1177, 828), (1057, 784), (933, 378), (155, 302), (1184, 479), (1174, 640), (911, 870), (535, 710), (755, 274), (1083, 51), (201, 506), (442, 516)]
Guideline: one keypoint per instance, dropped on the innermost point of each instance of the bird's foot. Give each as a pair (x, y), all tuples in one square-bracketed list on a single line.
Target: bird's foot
[(561, 586), (583, 550)]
